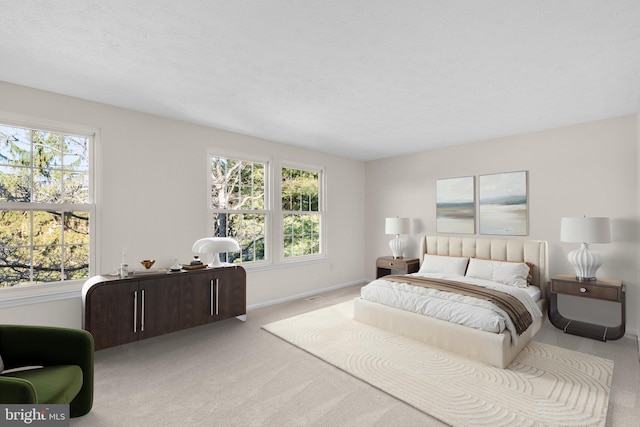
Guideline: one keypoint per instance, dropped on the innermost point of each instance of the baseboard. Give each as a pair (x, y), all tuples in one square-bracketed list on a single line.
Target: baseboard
[(304, 295)]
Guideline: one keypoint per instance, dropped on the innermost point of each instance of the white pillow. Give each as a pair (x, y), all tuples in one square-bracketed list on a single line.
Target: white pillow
[(507, 273), (444, 264)]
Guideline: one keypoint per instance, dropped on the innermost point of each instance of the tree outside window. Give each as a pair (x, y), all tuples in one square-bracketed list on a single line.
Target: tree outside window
[(45, 206), (301, 213), (239, 204)]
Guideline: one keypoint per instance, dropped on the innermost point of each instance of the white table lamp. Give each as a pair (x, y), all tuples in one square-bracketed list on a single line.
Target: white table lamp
[(397, 226), (215, 245), (585, 230)]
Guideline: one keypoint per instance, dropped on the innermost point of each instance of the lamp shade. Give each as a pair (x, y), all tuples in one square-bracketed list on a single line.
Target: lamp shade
[(396, 226), (215, 245), (585, 230)]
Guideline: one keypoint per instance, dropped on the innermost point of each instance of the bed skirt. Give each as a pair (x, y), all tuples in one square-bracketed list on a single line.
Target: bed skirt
[(490, 348)]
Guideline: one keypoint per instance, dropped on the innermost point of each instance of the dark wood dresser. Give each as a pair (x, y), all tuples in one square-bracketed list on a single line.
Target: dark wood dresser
[(121, 310)]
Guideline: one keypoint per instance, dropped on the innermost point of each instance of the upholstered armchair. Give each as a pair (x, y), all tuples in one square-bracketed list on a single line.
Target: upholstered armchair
[(66, 360)]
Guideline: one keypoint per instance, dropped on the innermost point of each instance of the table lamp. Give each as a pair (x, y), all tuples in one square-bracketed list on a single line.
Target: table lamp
[(397, 226), (584, 231), (215, 245)]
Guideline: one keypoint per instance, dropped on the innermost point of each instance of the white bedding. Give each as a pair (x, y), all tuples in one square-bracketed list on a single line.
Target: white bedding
[(460, 309)]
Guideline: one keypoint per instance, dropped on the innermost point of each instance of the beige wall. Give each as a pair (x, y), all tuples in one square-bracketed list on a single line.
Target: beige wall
[(152, 196), (638, 217), (152, 186), (587, 169)]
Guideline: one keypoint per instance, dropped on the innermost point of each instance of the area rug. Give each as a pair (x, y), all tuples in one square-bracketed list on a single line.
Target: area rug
[(544, 386)]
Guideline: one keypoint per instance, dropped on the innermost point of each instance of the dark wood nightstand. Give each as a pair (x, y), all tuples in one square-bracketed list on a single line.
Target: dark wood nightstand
[(385, 264), (601, 289)]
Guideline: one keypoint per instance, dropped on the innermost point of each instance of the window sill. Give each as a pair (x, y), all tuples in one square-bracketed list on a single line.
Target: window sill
[(35, 294)]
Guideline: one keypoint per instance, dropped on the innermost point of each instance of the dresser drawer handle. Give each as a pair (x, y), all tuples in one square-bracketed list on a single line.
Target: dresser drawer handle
[(583, 290), (390, 264)]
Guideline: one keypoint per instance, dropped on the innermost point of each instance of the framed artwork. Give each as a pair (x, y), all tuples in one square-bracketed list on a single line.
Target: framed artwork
[(456, 205), (503, 203)]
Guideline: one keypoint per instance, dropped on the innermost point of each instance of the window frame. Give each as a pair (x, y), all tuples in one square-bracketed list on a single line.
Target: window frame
[(274, 226), (39, 124), (268, 197), (280, 213)]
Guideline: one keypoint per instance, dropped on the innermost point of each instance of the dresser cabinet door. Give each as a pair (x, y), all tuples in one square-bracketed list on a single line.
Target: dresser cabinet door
[(232, 295), (159, 306), (197, 299), (112, 315)]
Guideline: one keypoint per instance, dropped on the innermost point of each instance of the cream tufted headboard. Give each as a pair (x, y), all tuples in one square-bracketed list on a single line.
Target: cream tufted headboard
[(532, 251)]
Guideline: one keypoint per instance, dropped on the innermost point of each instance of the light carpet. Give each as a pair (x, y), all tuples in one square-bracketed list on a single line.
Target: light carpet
[(544, 385)]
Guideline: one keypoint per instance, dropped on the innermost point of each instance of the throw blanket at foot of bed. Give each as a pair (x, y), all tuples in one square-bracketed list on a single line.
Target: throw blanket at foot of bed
[(518, 313)]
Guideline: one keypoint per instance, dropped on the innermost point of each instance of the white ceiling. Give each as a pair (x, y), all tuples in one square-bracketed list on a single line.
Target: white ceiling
[(365, 79)]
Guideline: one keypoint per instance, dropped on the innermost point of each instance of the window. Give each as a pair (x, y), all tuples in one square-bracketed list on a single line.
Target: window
[(239, 204), (301, 212), (240, 208), (46, 205)]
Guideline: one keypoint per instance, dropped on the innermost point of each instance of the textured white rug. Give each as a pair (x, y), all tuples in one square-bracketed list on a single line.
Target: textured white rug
[(544, 386)]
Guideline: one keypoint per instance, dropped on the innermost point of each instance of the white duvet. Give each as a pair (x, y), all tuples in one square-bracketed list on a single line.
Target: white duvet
[(460, 309)]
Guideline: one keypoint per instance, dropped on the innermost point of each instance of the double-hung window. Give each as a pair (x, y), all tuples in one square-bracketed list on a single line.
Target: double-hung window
[(239, 204), (46, 205), (302, 213), (240, 208)]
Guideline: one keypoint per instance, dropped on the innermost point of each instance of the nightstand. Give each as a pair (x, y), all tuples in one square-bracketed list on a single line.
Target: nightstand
[(385, 264), (601, 289)]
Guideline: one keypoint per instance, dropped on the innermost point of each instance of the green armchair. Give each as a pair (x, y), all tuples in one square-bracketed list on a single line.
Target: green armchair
[(66, 357)]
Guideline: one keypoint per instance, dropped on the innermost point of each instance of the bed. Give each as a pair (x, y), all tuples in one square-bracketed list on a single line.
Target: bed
[(496, 348)]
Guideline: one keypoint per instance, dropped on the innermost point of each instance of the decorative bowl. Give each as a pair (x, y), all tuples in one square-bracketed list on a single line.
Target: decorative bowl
[(147, 263)]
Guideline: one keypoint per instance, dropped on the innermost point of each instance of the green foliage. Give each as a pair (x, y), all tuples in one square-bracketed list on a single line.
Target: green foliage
[(32, 246), (301, 234), (238, 197), (300, 199), (299, 190), (40, 244)]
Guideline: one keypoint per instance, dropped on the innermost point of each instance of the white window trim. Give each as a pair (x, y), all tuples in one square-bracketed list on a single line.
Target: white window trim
[(274, 247), (51, 291), (279, 215), (268, 162)]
